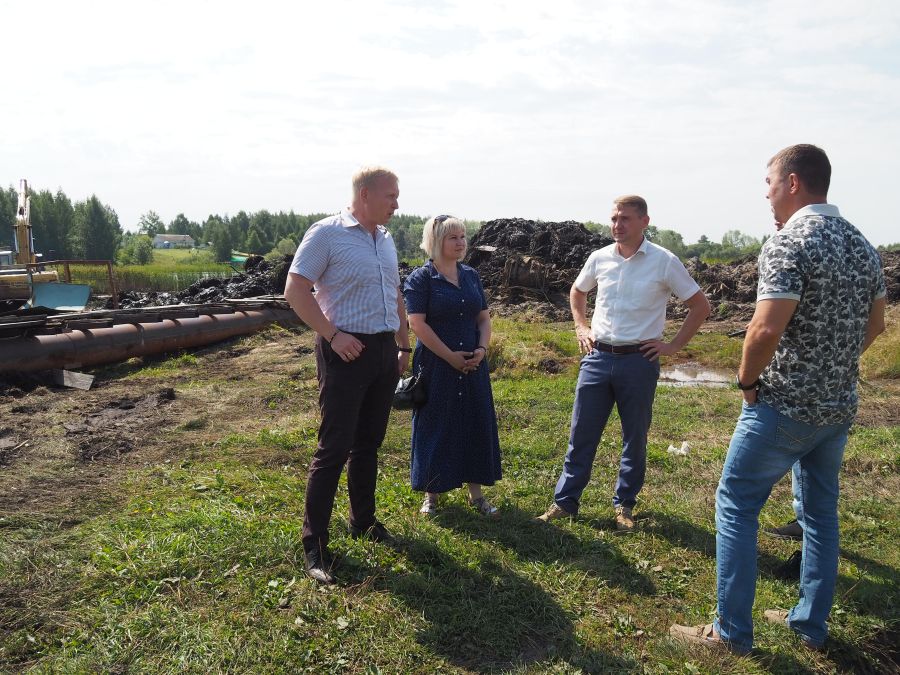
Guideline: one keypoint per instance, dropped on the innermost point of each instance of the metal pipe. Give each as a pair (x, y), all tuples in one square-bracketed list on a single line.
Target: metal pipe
[(92, 347)]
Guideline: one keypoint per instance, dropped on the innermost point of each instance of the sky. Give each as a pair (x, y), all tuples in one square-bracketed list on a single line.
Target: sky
[(540, 110)]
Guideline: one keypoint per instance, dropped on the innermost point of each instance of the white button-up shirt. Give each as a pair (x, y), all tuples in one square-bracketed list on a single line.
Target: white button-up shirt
[(355, 274), (632, 292)]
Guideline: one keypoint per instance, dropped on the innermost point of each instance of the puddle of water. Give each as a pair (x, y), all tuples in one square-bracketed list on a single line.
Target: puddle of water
[(692, 376)]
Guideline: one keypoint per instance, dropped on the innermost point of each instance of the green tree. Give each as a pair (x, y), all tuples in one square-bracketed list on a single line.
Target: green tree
[(286, 246), (135, 249), (96, 231), (51, 221), (254, 242), (210, 226), (143, 250), (599, 228), (670, 240), (181, 225), (9, 200), (401, 241), (264, 224), (151, 224), (238, 225), (738, 240), (220, 238)]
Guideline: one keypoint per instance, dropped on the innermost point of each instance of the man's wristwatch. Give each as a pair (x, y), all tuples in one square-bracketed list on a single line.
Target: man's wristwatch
[(745, 387)]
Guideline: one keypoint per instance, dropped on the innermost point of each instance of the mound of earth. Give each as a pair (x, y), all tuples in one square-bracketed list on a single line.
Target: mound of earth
[(521, 260), (260, 277), (890, 261)]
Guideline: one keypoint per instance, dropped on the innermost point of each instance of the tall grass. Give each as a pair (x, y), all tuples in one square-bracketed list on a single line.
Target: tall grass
[(172, 270)]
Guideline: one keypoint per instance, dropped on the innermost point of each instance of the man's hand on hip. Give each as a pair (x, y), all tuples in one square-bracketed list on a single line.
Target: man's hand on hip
[(653, 349), (585, 342)]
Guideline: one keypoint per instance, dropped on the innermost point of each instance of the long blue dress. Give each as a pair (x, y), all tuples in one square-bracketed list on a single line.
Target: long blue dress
[(454, 435)]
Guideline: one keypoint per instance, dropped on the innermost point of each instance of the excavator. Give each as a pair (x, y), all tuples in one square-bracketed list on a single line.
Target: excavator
[(19, 267)]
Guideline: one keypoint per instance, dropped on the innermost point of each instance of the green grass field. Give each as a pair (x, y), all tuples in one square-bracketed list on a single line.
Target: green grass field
[(194, 564)]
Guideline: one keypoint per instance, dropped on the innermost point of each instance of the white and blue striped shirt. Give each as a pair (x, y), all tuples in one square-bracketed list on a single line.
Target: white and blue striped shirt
[(355, 275)]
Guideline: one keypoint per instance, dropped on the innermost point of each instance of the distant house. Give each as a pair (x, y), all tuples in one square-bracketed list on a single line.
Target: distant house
[(173, 241)]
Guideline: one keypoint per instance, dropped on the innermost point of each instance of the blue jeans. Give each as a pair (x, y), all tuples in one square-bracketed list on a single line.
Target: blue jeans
[(627, 381), (763, 448)]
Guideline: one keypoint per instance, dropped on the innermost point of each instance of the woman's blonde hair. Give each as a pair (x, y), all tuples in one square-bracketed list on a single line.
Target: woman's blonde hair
[(434, 232)]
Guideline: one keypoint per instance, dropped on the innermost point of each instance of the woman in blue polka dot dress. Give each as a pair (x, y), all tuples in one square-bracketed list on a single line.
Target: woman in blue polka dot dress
[(454, 435)]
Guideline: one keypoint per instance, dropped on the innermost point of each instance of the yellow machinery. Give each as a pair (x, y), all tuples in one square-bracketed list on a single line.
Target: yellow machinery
[(17, 279)]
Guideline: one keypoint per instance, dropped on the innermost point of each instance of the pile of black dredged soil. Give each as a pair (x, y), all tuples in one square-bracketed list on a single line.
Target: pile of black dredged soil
[(260, 277), (526, 266)]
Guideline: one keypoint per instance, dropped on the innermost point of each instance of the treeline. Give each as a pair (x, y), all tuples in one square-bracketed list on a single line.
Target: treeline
[(86, 230), (734, 245), (262, 232), (91, 230)]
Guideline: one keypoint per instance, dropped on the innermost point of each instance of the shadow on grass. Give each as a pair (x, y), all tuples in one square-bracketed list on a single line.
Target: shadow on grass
[(876, 598), (878, 654), (517, 531), (680, 532), (781, 663), (483, 617)]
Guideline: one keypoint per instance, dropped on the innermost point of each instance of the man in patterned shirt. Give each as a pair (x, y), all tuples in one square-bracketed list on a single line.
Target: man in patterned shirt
[(362, 347), (820, 304)]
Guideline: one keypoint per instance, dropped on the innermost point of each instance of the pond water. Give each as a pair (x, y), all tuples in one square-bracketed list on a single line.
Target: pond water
[(694, 376)]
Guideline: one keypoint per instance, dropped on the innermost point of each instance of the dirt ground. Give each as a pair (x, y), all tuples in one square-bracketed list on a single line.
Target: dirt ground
[(60, 448)]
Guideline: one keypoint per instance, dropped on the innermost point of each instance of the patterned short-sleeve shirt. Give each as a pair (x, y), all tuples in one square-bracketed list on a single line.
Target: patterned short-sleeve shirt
[(828, 266)]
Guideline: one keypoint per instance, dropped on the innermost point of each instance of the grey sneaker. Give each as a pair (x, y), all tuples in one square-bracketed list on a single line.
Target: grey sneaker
[(624, 519), (555, 512), (791, 530)]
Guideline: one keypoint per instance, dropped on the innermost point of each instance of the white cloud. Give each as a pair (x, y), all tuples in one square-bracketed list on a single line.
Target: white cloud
[(496, 108)]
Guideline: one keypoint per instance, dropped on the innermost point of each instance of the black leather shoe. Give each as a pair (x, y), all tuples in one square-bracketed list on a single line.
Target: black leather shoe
[(377, 533), (791, 530), (319, 564)]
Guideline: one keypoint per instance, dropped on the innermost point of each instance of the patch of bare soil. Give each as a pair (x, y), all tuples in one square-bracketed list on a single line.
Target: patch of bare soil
[(60, 448), (114, 428)]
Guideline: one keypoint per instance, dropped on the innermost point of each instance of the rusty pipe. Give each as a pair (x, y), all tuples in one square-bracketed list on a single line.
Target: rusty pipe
[(92, 347)]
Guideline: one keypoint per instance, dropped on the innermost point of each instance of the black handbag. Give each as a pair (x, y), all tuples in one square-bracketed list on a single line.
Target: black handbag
[(410, 392)]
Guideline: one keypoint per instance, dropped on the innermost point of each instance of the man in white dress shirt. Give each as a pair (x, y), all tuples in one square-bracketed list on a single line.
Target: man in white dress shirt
[(634, 280)]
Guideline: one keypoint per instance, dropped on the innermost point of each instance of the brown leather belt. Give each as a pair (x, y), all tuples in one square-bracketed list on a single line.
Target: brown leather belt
[(617, 349)]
